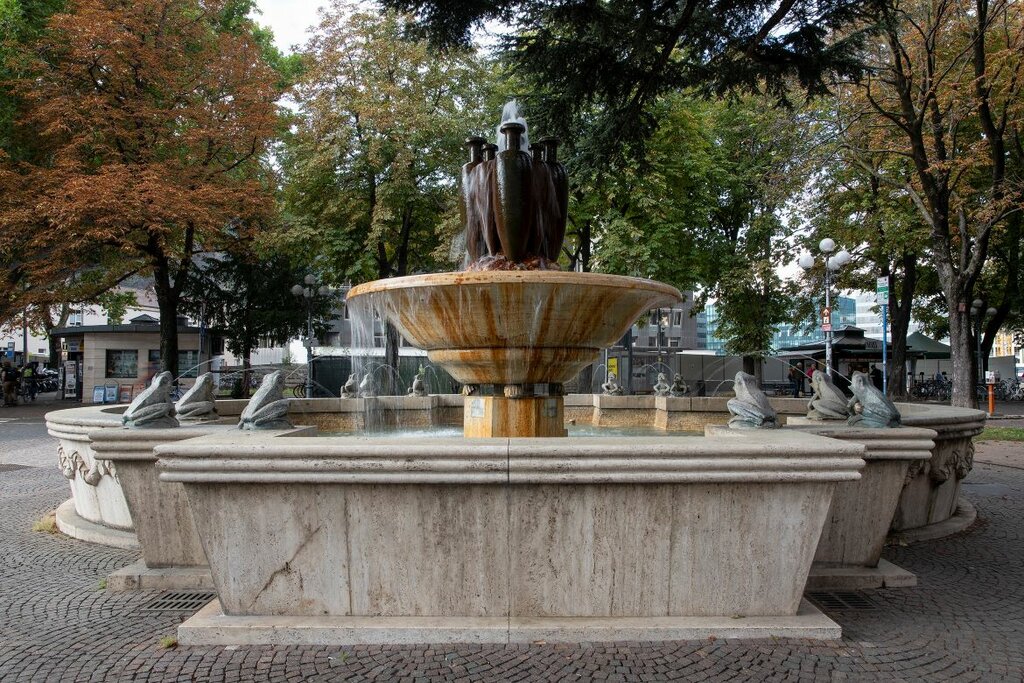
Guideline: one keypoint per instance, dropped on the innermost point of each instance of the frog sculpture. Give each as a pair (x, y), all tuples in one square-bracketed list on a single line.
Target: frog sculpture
[(153, 408), (197, 405), (750, 408), (351, 387), (267, 409), (611, 387), (827, 402), (662, 388), (869, 407)]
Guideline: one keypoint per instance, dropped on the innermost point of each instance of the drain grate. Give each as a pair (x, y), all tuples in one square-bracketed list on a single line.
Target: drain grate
[(841, 600), (180, 601)]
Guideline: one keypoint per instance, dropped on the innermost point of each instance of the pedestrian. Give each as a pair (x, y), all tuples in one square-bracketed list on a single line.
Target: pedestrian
[(28, 376), (796, 380), (10, 379), (876, 377)]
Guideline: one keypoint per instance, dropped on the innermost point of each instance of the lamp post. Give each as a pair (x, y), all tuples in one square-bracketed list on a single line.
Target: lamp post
[(979, 318), (308, 292), (841, 258)]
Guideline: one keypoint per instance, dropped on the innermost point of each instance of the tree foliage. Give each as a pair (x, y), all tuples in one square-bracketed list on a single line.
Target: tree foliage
[(154, 116)]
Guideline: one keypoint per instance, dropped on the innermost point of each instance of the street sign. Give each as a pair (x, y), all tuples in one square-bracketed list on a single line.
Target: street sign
[(826, 327), (882, 290), (613, 366)]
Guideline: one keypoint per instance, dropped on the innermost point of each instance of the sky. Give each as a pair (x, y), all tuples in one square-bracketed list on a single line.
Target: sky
[(288, 19)]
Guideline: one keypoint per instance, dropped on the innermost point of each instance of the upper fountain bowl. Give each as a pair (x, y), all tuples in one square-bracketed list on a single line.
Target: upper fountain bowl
[(513, 327)]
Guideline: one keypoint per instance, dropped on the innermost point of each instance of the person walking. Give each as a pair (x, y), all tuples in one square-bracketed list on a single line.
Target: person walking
[(796, 380), (876, 377), (10, 379)]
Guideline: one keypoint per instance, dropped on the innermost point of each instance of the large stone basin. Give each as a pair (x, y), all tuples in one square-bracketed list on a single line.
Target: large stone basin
[(378, 540), (513, 327)]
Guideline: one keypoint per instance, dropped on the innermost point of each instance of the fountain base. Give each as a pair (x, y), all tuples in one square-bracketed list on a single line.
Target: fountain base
[(498, 416), (210, 626)]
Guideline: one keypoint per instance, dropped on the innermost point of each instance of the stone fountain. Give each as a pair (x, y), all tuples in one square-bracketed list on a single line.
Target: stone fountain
[(505, 539), (512, 328)]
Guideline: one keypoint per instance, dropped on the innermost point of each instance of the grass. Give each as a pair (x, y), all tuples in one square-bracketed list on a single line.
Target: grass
[(103, 584), (1002, 434), (168, 642), (47, 524)]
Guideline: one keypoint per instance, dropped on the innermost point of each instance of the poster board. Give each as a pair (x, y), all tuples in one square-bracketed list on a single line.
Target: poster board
[(71, 379), (125, 395), (98, 394), (110, 396)]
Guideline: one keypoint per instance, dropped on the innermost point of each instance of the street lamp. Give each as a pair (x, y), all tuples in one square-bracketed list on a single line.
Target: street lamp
[(308, 293), (841, 258), (976, 312)]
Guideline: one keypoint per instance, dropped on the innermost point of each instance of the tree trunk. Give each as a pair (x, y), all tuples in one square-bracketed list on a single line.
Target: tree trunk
[(899, 314), (167, 302), (246, 372), (961, 347)]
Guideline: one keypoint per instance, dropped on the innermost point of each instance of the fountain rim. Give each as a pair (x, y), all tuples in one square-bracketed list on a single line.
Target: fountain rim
[(531, 277)]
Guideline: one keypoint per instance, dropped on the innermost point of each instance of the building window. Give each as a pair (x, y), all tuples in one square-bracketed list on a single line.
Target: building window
[(122, 364), (187, 363), (673, 342), (677, 318)]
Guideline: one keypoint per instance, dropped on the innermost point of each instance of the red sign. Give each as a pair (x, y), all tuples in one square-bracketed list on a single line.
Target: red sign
[(826, 327)]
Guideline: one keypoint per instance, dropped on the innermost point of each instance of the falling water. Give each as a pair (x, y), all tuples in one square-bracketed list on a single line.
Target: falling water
[(510, 112)]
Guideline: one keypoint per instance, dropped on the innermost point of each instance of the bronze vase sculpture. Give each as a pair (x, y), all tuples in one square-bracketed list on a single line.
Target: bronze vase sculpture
[(555, 230), (470, 218), (513, 194)]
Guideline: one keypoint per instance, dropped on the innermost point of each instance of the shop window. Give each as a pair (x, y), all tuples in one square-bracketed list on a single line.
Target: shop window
[(122, 364)]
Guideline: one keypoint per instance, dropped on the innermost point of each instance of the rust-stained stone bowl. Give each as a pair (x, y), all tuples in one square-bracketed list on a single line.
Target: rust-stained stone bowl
[(513, 327)]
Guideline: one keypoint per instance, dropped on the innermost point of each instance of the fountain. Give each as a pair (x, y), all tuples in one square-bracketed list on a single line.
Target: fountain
[(512, 327), (370, 539)]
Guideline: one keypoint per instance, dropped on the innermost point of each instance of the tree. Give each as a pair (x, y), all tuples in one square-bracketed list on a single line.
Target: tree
[(155, 115), (596, 69), (370, 168), (944, 94), (875, 220), (246, 296)]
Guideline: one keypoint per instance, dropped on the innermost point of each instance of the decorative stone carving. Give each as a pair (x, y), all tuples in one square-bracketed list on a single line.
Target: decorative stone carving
[(963, 459), (679, 387), (197, 405), (827, 402), (751, 408), (419, 387), (267, 409), (75, 465), (366, 387), (662, 388), (351, 387), (153, 408), (869, 407), (70, 464), (611, 387)]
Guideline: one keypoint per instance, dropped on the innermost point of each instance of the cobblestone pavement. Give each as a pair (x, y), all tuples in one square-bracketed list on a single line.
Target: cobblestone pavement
[(963, 622)]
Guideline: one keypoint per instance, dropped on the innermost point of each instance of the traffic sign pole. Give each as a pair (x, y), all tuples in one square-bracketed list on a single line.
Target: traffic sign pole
[(882, 297)]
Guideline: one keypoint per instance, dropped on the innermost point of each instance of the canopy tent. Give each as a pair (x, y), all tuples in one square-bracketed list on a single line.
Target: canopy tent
[(925, 347), (847, 343)]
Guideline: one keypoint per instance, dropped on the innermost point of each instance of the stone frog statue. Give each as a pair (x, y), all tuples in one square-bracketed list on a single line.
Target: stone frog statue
[(153, 408), (662, 388), (267, 409), (827, 402), (197, 405), (869, 407), (351, 387), (679, 387), (611, 387), (419, 387), (750, 408)]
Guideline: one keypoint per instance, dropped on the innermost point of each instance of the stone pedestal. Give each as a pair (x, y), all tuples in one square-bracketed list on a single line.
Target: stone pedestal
[(497, 416)]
